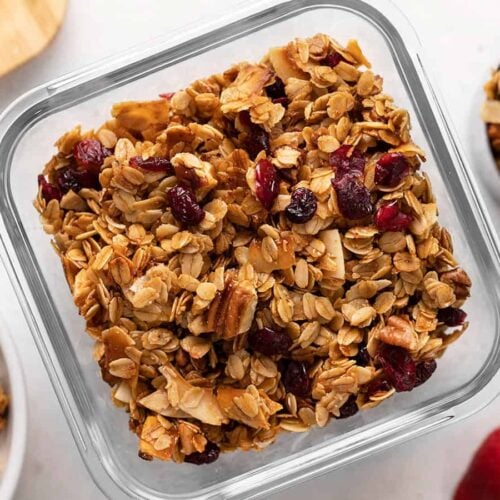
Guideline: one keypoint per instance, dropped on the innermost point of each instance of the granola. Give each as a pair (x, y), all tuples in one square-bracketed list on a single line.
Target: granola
[(256, 253), (4, 408), (490, 113)]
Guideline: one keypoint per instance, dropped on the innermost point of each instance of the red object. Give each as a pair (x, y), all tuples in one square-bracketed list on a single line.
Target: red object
[(332, 59), (391, 168), (184, 206), (90, 154), (482, 479), (390, 218), (266, 183), (153, 164)]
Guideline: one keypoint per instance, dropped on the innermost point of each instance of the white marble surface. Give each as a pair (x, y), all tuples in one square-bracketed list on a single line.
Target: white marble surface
[(462, 40)]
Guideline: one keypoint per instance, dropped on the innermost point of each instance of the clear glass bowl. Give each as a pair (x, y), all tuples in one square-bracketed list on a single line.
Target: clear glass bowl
[(466, 378)]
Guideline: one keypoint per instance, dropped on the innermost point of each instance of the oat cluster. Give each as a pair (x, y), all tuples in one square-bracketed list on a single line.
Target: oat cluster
[(256, 253), (490, 113)]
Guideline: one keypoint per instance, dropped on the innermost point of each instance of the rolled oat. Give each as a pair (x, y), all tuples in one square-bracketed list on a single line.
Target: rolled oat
[(174, 228)]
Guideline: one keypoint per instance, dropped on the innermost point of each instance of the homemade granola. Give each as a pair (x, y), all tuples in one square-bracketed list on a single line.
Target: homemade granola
[(258, 252), (490, 113), (4, 407)]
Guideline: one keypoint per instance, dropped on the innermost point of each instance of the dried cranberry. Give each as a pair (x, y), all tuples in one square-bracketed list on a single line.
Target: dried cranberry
[(390, 218), (451, 316), (362, 358), (270, 342), (353, 197), (276, 90), (391, 168), (424, 371), (89, 154), (282, 100), (266, 183), (184, 206), (399, 367), (332, 59), (349, 408), (255, 138), (207, 456), (347, 160), (302, 207), (153, 164), (378, 385), (295, 379), (73, 179), (145, 456), (49, 191), (244, 118), (167, 95)]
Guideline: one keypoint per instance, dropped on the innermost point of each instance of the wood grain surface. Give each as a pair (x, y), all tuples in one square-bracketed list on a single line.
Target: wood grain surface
[(26, 28)]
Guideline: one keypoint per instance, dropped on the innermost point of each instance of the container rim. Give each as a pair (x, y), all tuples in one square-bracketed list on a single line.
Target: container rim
[(54, 96), (18, 414)]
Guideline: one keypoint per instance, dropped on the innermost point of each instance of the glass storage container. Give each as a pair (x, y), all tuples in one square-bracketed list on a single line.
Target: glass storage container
[(466, 378)]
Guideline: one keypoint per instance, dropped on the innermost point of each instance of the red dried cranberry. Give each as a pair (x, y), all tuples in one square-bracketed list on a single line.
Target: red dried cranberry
[(353, 197), (295, 379), (362, 358), (276, 90), (184, 206), (255, 138), (89, 154), (332, 59), (244, 118), (378, 385), (153, 164), (349, 408), (399, 367), (167, 95), (424, 371), (49, 191), (266, 183), (72, 179), (451, 316), (270, 342), (347, 160), (207, 456), (282, 100), (302, 207), (391, 168), (390, 218)]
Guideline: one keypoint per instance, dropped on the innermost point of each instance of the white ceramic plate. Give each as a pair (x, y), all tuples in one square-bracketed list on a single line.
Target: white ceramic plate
[(13, 438)]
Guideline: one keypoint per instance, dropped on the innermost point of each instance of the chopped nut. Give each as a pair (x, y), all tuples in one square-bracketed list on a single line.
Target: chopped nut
[(181, 249)]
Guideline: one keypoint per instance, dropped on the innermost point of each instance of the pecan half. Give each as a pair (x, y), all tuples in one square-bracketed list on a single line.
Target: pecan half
[(231, 312), (460, 282)]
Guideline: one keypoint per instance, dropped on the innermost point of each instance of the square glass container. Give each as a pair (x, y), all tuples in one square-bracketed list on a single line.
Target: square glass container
[(466, 378)]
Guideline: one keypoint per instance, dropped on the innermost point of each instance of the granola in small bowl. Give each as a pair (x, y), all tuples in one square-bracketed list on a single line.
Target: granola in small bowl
[(490, 113), (4, 408), (256, 253)]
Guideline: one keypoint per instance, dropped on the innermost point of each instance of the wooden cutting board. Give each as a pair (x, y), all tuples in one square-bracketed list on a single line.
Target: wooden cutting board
[(26, 28)]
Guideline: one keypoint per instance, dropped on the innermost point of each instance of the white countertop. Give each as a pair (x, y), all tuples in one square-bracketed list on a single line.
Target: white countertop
[(462, 40)]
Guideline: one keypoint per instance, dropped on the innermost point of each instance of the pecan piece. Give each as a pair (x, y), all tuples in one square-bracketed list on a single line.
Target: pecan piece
[(231, 312), (399, 332), (460, 282)]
